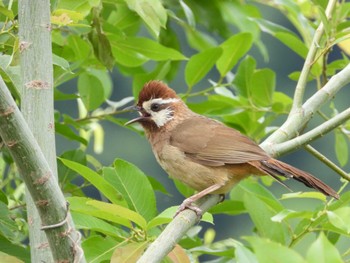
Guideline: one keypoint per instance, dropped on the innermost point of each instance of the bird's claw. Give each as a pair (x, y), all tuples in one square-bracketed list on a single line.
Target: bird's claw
[(187, 204)]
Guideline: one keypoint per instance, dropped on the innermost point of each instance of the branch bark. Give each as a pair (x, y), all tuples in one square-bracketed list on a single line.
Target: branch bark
[(310, 136), (39, 179), (36, 95), (38, 110), (175, 230), (297, 120), (301, 85)]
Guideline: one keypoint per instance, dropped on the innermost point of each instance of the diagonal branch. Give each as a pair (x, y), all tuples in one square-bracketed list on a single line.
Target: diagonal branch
[(300, 118), (297, 142), (301, 85), (328, 162), (175, 230), (38, 177)]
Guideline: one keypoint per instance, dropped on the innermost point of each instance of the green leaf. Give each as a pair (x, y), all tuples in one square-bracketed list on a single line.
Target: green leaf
[(188, 14), (111, 212), (244, 255), (341, 148), (98, 248), (6, 258), (6, 12), (262, 87), (243, 78), (67, 132), (287, 214), (229, 207), (97, 180), (152, 13), (339, 218), (3, 198), (61, 62), (323, 251), (144, 48), (91, 90), (261, 215), (81, 6), (234, 48), (11, 75), (200, 64), (129, 253), (268, 251), (134, 186), (8, 227), (250, 187), (64, 173), (88, 222), (105, 79), (282, 103), (293, 42), (156, 185), (313, 195), (117, 210), (14, 250)]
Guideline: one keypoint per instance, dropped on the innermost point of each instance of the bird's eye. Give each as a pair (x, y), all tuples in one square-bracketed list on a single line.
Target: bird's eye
[(155, 107)]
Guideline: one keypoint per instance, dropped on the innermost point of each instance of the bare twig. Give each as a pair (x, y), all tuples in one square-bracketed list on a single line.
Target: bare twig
[(298, 119), (37, 175), (300, 88), (297, 142), (328, 162)]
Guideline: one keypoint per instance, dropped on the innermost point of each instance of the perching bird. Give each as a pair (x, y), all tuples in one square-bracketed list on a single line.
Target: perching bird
[(203, 153)]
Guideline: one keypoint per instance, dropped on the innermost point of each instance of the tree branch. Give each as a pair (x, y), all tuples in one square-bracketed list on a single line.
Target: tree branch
[(175, 230), (297, 142), (328, 162), (298, 119), (39, 179), (309, 61)]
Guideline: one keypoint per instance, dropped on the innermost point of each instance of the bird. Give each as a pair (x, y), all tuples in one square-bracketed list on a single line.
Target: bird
[(203, 153)]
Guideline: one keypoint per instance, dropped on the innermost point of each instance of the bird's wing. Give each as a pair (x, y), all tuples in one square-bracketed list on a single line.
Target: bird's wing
[(209, 142)]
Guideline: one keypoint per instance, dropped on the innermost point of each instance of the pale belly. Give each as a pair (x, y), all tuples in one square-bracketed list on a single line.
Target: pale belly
[(197, 176)]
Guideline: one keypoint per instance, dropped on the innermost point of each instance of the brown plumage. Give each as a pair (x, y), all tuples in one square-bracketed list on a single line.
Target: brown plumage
[(203, 153)]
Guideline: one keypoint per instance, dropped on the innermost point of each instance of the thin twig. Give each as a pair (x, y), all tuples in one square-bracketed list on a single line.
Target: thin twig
[(301, 85), (327, 162), (310, 136), (297, 121)]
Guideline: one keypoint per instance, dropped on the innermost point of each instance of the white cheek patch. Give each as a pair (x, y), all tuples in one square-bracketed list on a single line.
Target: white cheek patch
[(161, 117)]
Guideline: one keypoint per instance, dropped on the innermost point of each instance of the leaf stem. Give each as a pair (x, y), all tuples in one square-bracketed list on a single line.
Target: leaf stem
[(327, 162)]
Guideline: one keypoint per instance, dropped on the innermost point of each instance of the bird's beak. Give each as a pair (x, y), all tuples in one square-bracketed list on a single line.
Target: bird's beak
[(134, 108)]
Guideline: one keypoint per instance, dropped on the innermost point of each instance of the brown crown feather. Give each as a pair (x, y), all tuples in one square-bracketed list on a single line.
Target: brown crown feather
[(155, 89)]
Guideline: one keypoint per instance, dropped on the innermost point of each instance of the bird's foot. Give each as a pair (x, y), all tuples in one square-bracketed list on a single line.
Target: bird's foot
[(222, 198), (187, 204)]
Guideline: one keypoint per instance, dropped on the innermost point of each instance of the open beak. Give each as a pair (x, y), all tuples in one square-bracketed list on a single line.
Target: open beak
[(134, 108)]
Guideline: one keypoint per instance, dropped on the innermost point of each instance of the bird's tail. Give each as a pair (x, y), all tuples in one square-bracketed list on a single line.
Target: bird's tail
[(277, 168)]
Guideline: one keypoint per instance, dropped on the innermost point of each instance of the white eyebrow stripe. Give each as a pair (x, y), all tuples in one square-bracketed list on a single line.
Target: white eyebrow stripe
[(164, 101)]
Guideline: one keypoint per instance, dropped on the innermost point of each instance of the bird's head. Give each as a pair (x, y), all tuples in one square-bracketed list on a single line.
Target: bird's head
[(157, 105)]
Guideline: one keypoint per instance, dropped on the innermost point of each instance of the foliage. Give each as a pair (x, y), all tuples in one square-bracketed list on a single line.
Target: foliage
[(222, 41)]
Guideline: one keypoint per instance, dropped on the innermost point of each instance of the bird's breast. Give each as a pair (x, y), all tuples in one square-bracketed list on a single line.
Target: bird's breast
[(194, 175)]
